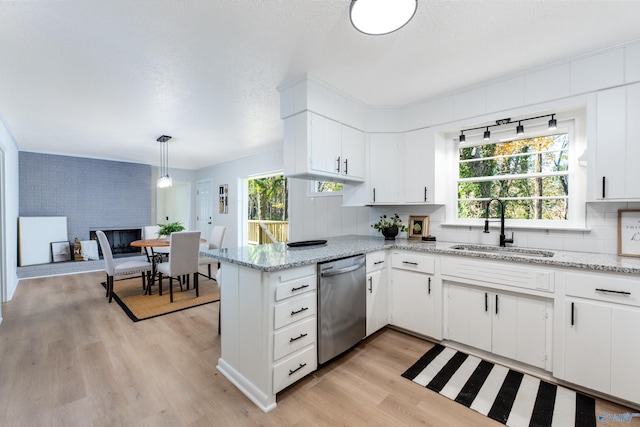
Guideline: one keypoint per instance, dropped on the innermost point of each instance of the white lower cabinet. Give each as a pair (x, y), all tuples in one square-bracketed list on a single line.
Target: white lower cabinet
[(415, 294), (377, 291), (510, 325), (601, 329)]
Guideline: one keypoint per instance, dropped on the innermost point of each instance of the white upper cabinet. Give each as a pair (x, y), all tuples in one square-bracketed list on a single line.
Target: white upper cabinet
[(617, 144), (418, 166), (386, 152), (316, 147)]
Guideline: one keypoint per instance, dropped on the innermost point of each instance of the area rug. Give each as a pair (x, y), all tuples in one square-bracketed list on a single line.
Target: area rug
[(509, 397), (129, 295)]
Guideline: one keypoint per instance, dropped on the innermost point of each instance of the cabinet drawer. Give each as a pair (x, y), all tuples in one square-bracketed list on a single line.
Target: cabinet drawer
[(603, 287), (289, 274), (294, 368), (376, 261), (294, 309), (413, 262), (295, 287), (294, 337)]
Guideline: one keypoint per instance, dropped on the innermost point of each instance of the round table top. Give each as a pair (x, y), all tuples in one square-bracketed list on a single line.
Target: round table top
[(155, 243), (150, 242)]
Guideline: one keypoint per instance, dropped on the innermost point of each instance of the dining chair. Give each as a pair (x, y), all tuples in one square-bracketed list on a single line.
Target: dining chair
[(215, 242), (183, 259), (118, 268), (151, 232)]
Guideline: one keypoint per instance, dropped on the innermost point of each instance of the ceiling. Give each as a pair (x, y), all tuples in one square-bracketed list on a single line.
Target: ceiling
[(104, 79)]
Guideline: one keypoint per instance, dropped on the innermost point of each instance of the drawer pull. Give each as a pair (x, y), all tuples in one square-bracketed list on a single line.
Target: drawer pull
[(613, 292), (302, 365), (299, 287), (299, 311), (370, 284), (429, 287), (297, 338), (410, 263), (378, 262)]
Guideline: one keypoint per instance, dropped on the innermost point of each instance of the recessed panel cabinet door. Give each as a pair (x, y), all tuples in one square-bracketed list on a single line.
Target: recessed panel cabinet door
[(413, 302), (469, 316), (625, 341), (587, 340)]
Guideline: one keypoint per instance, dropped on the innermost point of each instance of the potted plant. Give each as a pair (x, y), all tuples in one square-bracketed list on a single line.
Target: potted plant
[(390, 227), (167, 229)]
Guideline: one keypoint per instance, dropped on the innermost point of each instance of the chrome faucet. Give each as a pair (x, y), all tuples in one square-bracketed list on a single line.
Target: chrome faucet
[(503, 239)]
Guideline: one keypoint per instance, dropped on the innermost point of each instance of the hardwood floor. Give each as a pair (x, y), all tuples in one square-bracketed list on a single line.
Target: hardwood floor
[(68, 358)]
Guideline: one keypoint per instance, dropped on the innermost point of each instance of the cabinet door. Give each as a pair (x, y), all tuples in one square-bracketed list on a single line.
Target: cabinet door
[(384, 167), (469, 316), (326, 141), (610, 144), (418, 166), (633, 142), (625, 341), (353, 153), (413, 302), (377, 301), (505, 325), (587, 340), (531, 337)]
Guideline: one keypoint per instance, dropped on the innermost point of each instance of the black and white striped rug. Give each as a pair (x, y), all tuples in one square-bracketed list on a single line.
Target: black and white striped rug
[(507, 396)]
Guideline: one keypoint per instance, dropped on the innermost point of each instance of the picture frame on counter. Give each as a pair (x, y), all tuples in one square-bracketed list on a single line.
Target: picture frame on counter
[(418, 227), (629, 232)]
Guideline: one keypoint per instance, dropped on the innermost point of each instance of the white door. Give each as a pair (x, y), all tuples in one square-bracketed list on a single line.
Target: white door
[(384, 170), (376, 300), (412, 305), (587, 341), (353, 153), (204, 208), (326, 140), (469, 316), (505, 327), (625, 339)]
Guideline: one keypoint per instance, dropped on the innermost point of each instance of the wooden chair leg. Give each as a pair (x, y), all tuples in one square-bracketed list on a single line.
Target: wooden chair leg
[(171, 289)]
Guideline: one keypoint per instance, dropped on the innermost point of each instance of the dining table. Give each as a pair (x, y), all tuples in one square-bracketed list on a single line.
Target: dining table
[(154, 258)]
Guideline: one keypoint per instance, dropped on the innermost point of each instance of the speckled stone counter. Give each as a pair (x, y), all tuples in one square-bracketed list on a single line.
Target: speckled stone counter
[(278, 256)]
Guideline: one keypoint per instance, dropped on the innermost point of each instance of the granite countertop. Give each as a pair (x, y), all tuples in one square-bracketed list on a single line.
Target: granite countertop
[(278, 256)]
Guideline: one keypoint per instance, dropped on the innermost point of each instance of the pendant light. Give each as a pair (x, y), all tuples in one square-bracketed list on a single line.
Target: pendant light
[(379, 17), (164, 180), (487, 134), (520, 129), (553, 124)]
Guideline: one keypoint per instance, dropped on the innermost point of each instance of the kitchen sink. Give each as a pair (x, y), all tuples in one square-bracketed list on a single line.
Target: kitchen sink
[(504, 251)]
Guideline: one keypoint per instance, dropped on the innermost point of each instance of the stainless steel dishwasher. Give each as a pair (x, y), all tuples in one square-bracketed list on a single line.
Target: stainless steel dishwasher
[(342, 307)]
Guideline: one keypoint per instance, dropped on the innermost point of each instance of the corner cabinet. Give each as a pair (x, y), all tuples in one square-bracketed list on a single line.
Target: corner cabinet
[(265, 350), (316, 147), (617, 144), (416, 298), (602, 334), (377, 291)]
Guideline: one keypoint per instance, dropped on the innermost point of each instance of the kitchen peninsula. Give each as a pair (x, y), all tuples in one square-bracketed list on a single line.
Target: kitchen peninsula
[(268, 309)]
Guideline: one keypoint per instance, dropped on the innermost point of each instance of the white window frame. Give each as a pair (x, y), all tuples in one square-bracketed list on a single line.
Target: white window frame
[(577, 174), (311, 189)]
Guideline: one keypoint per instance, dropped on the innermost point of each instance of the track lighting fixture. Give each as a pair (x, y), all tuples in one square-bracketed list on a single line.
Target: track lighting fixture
[(553, 124)]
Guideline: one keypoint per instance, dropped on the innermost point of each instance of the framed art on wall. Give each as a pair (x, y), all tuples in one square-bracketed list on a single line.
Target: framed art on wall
[(418, 227), (629, 232)]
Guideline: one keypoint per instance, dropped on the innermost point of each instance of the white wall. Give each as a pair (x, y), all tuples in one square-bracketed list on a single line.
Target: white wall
[(8, 229)]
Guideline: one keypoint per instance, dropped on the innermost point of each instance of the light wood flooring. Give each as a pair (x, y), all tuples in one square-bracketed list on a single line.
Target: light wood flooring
[(68, 358)]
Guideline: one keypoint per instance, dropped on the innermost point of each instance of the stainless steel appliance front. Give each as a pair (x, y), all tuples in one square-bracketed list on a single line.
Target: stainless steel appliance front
[(342, 307)]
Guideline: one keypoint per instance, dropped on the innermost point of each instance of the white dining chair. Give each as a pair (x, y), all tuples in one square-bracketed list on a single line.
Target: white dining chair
[(183, 260), (118, 268), (151, 232), (215, 242)]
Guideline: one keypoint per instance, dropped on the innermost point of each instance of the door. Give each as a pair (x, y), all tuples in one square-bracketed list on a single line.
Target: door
[(505, 325), (353, 153), (376, 300), (384, 167), (412, 301), (587, 341), (469, 316), (326, 142), (625, 340), (204, 208)]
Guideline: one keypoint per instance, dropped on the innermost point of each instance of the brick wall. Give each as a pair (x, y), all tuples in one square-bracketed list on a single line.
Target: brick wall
[(89, 192)]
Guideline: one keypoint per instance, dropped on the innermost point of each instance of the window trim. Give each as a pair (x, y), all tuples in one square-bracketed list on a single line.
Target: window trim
[(312, 186), (569, 123)]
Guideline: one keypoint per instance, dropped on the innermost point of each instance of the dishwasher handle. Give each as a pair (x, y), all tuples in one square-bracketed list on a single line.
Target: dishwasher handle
[(329, 273)]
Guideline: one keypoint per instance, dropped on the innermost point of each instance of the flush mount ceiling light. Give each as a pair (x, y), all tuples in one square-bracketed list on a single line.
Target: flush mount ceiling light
[(164, 180), (553, 125), (379, 17)]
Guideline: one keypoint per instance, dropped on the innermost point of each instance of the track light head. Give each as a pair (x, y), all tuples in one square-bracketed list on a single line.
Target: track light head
[(462, 138), (520, 129), (553, 124), (487, 134)]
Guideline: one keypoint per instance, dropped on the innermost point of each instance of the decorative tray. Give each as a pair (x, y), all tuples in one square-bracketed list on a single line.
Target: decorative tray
[(306, 243)]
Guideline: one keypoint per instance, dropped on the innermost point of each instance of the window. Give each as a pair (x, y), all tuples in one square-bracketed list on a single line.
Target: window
[(327, 188), (536, 175)]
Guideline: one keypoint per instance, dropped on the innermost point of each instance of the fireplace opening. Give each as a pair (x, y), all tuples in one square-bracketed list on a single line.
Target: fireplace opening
[(119, 240)]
